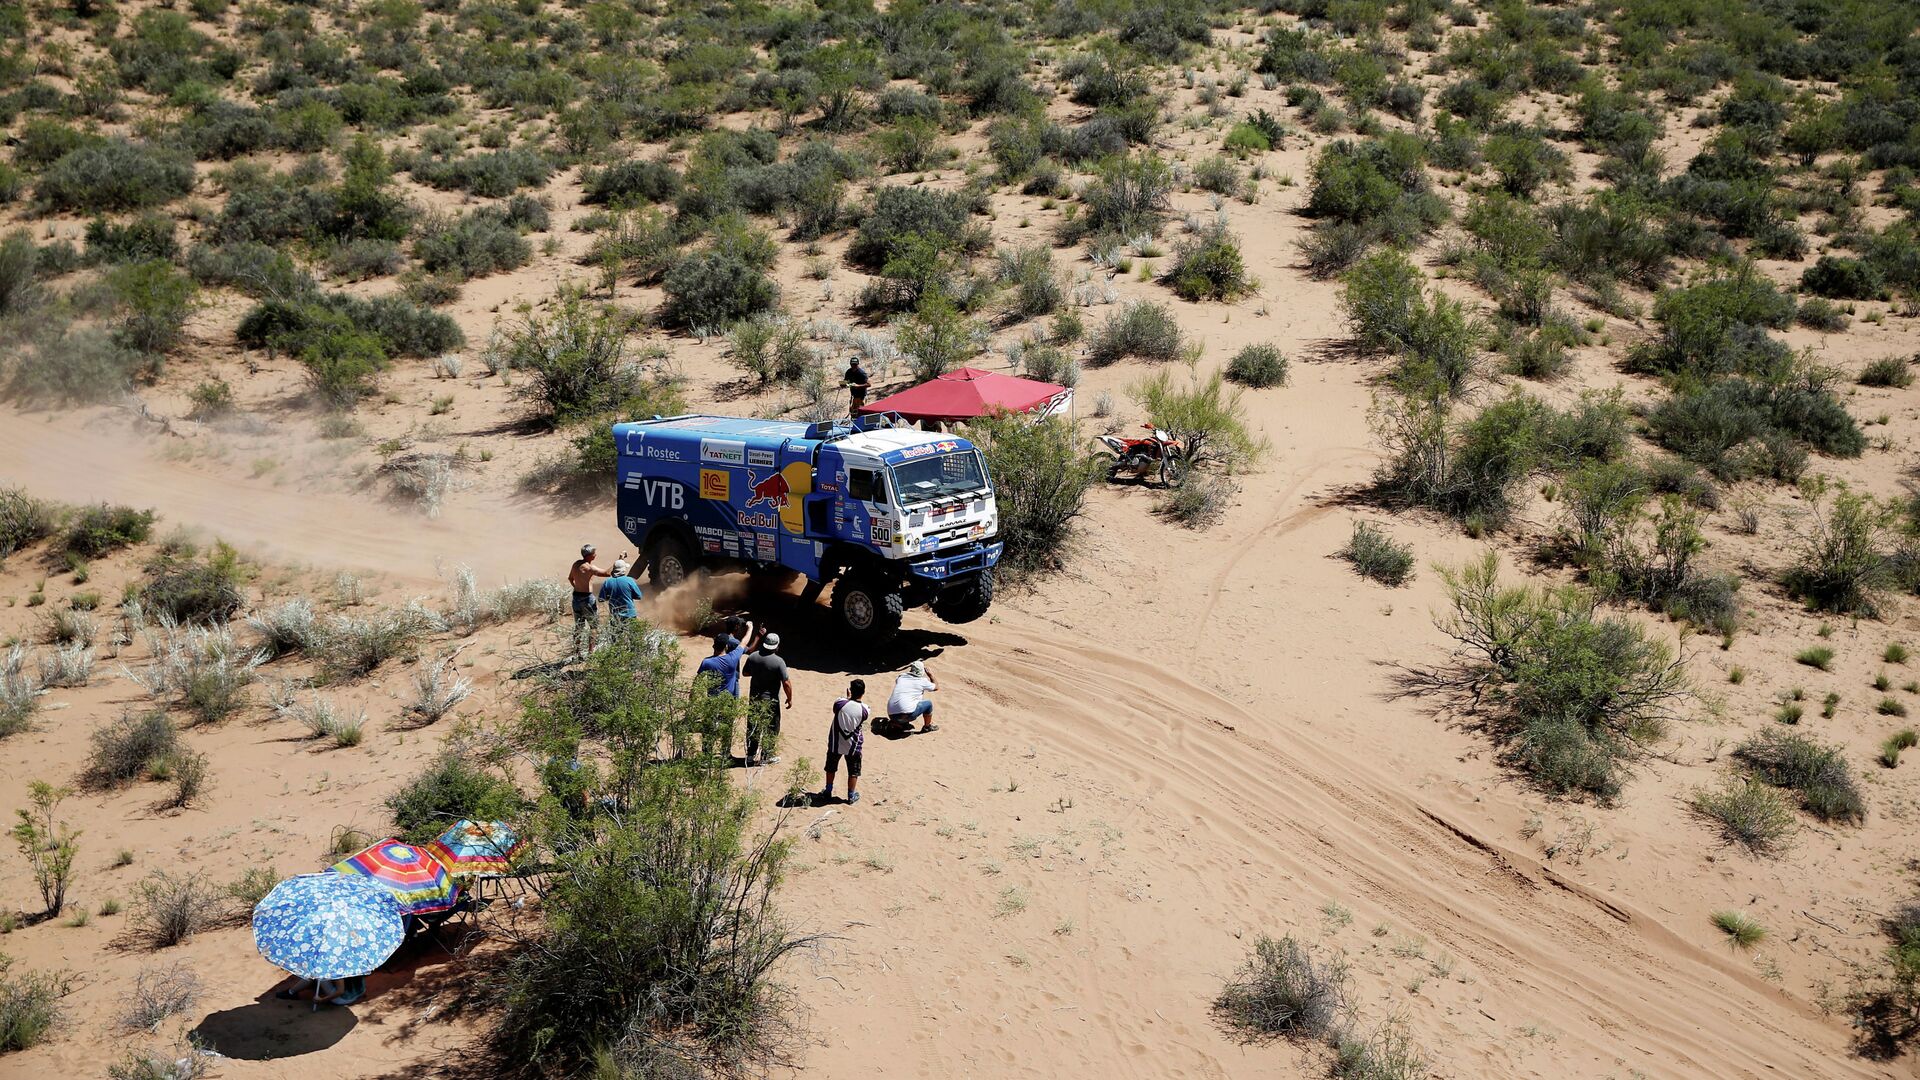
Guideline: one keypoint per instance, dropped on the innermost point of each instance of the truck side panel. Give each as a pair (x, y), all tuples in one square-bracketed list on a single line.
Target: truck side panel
[(732, 494)]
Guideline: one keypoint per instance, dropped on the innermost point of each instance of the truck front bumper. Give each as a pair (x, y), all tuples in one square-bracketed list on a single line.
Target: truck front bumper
[(957, 562)]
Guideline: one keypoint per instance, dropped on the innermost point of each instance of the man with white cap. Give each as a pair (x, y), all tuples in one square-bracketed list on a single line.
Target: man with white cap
[(767, 679), (580, 578), (620, 592)]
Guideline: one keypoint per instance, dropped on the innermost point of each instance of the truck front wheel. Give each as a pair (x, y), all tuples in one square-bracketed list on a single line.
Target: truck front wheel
[(670, 563), (968, 602), (868, 609)]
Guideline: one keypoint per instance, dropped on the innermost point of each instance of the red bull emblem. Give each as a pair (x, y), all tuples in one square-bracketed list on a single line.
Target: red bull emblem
[(772, 491)]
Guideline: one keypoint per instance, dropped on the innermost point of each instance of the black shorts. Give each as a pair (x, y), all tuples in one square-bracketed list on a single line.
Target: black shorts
[(853, 763)]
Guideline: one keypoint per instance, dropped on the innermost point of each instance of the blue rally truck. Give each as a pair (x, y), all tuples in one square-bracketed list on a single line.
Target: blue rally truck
[(892, 516)]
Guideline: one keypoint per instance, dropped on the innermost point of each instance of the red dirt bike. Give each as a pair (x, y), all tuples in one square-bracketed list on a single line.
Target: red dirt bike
[(1159, 456)]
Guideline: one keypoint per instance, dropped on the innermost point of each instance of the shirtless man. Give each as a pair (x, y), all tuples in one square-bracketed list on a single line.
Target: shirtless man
[(580, 578)]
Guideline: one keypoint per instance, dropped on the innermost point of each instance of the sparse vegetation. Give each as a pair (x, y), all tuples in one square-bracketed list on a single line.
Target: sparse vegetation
[(1376, 555), (1819, 774), (171, 908), (1283, 990), (1748, 813), (1742, 930)]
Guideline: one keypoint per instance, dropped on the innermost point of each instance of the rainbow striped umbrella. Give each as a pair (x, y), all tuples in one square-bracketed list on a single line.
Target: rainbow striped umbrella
[(478, 847), (417, 880)]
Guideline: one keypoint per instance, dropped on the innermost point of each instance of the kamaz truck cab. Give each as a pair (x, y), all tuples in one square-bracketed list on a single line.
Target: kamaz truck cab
[(892, 516)]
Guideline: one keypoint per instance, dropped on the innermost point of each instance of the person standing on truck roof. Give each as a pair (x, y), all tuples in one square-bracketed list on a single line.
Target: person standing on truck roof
[(857, 386), (767, 679), (846, 737), (620, 593), (580, 577), (909, 699)]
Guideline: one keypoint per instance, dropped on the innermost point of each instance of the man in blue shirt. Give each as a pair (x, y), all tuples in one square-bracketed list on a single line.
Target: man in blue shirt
[(620, 592), (722, 669)]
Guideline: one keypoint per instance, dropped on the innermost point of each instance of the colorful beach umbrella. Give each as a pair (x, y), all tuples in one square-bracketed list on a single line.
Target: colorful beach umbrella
[(478, 847), (328, 926), (418, 880)]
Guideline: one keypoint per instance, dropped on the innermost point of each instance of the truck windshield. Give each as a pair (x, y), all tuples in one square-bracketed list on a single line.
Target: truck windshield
[(931, 478)]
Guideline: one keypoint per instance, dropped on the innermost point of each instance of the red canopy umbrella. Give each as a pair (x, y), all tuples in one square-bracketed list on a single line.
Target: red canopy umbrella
[(969, 393)]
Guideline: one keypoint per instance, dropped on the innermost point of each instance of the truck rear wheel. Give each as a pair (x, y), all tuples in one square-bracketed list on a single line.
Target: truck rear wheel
[(670, 563), (869, 610), (967, 603)]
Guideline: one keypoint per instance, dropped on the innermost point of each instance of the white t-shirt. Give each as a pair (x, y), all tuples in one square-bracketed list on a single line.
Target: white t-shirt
[(907, 692)]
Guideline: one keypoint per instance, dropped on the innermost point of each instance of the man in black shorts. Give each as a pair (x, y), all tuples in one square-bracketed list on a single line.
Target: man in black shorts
[(846, 736), (767, 680)]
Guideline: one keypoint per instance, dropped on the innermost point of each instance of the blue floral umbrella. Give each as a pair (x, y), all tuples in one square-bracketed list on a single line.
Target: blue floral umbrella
[(328, 926)]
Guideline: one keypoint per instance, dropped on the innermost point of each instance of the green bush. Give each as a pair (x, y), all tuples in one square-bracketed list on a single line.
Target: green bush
[(1887, 371), (102, 529), (1035, 281), (124, 749), (1819, 774), (937, 337), (903, 218), (708, 290), (19, 259), (1748, 813), (1041, 474), (492, 175), (630, 183), (114, 175), (1208, 266), (24, 520), (1841, 566), (578, 368), (1207, 416), (1839, 278), (150, 236), (1218, 175), (1376, 555), (1573, 696), (1245, 140), (1258, 366), (453, 787), (474, 245), (1283, 989), (1333, 246), (192, 590), (1738, 428), (1145, 330), (1127, 198), (1523, 161), (157, 298), (29, 1005), (73, 365), (341, 365), (1362, 182)]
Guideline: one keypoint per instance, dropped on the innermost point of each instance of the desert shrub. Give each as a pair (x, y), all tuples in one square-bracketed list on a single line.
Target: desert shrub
[(438, 688), (102, 529), (937, 337), (453, 787), (1331, 247), (29, 1005), (1743, 931), (24, 520), (1887, 371), (912, 145), (158, 993), (1523, 161), (770, 349), (630, 182), (712, 289), (903, 218), (336, 322), (1739, 428), (1748, 813), (353, 645), (1218, 175), (1145, 330), (150, 236), (494, 174), (1573, 696), (1656, 566), (1607, 238), (74, 365), (1258, 366), (114, 175), (1041, 474), (1036, 283), (1386, 1053), (200, 670), (252, 267), (659, 934), (1207, 416), (19, 692), (1716, 327), (1208, 266), (1366, 182), (1536, 356), (1245, 140), (19, 260), (1841, 566), (171, 908), (578, 367), (190, 590), (470, 246), (124, 749), (1127, 198), (1819, 774), (342, 365), (1836, 277), (157, 299), (1283, 989), (1820, 314), (1198, 500), (364, 258), (1376, 555), (47, 843), (1380, 294)]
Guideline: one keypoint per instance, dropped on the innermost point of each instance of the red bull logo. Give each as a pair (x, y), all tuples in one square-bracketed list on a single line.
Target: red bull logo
[(772, 491)]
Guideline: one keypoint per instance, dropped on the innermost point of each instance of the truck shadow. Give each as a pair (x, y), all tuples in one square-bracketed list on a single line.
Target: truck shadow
[(812, 642)]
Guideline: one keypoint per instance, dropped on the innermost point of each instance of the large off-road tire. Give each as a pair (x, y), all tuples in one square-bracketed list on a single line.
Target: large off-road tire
[(868, 609), (966, 604), (670, 563), (1173, 469)]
